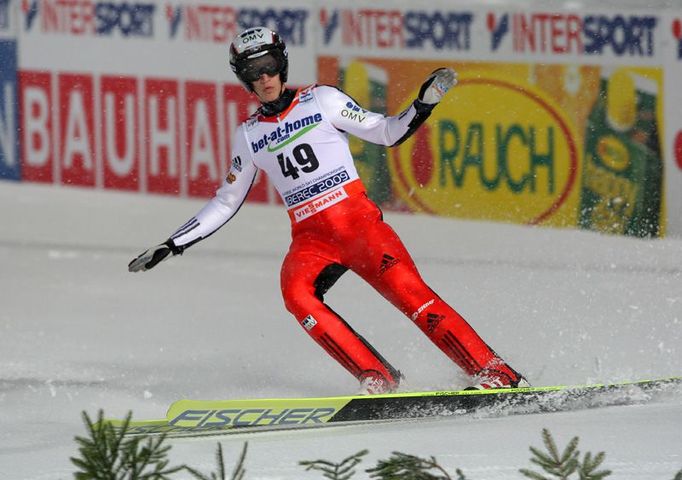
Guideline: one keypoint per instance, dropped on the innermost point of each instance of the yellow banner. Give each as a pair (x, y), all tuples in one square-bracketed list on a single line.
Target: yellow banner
[(559, 145)]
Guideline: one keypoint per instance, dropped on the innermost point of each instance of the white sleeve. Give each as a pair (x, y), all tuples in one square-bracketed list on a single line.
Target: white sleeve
[(346, 115), (227, 200)]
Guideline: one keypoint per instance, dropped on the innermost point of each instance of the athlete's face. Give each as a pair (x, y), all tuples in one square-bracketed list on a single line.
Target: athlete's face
[(268, 88)]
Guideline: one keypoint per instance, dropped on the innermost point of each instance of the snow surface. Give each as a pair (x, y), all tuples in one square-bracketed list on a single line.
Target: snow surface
[(78, 332)]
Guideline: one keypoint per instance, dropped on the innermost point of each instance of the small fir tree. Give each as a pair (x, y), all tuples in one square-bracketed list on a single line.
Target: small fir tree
[(107, 454), (562, 465), (401, 466), (237, 474), (336, 471)]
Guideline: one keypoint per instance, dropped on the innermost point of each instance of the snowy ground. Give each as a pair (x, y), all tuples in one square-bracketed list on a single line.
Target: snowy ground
[(78, 332)]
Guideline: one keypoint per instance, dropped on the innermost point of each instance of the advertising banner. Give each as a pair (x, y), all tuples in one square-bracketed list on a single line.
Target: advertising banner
[(139, 96), (565, 115), (524, 143), (9, 147), (558, 117)]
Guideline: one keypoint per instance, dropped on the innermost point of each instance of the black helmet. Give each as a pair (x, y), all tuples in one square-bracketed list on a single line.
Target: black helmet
[(256, 51)]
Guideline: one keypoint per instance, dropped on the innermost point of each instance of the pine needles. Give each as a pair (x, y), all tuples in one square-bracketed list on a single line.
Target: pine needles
[(562, 465), (399, 466), (237, 474), (111, 453), (408, 467), (107, 454), (336, 471)]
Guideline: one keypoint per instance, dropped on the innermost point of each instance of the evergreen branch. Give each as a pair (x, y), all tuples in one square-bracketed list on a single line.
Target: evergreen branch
[(550, 445), (460, 475), (198, 475), (561, 466), (558, 465), (220, 459), (239, 470), (401, 466), (540, 458), (336, 471), (106, 455), (571, 452), (237, 474), (532, 475), (589, 465)]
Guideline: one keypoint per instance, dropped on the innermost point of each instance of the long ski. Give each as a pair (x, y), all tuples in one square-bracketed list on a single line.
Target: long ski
[(205, 417)]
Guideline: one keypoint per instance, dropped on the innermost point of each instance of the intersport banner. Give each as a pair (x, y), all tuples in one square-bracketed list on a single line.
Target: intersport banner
[(562, 117), (139, 96)]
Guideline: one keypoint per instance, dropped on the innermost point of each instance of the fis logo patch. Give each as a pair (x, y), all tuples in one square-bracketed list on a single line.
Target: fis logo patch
[(432, 322), (309, 322), (251, 123), (306, 95), (237, 163), (387, 262)]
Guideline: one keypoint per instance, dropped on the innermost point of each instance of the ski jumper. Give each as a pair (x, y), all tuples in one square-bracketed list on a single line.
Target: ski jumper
[(336, 227)]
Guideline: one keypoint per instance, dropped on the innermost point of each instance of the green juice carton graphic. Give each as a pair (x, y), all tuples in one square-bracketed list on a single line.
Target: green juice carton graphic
[(366, 84), (623, 169)]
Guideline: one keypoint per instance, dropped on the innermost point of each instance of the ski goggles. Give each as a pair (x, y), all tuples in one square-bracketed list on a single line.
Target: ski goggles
[(253, 68)]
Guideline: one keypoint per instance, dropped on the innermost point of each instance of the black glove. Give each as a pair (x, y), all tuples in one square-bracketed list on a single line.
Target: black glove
[(150, 258), (436, 85)]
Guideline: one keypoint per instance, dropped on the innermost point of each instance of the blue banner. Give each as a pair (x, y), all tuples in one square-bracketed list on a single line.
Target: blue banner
[(9, 112)]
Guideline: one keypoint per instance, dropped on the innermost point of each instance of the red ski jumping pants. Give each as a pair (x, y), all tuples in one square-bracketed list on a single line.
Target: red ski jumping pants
[(352, 235)]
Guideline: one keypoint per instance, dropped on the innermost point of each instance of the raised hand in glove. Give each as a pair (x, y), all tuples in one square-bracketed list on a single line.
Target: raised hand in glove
[(436, 85), (155, 255)]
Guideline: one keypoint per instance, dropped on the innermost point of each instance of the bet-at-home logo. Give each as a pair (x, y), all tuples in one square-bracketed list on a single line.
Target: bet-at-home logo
[(287, 133)]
